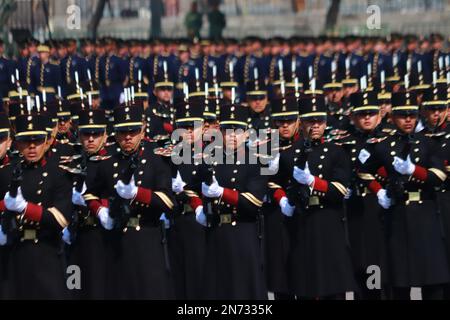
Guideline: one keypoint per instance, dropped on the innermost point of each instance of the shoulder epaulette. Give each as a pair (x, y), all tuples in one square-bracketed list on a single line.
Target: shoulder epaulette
[(376, 140), (99, 158)]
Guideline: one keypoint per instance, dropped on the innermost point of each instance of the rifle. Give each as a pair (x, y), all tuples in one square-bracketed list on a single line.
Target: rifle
[(9, 224), (120, 209), (211, 215), (396, 186), (297, 194), (80, 178)]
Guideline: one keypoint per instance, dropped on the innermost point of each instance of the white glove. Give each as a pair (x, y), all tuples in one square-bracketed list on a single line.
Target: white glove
[(383, 199), (66, 236), (404, 167), (3, 237), (200, 216), (77, 197), (126, 191), (212, 191), (274, 164), (178, 183), (166, 221), (348, 194), (17, 204), (303, 176), (286, 208), (106, 221)]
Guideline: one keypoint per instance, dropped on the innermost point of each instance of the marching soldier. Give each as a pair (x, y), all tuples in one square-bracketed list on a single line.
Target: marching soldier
[(233, 245), (39, 200), (73, 70), (365, 216), (409, 169), (136, 183), (188, 245), (112, 75), (285, 118), (87, 239), (45, 76), (159, 116), (258, 102), (316, 175)]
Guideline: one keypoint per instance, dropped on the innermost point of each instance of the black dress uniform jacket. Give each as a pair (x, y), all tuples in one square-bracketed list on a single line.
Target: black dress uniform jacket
[(233, 250), (137, 264), (415, 240), (320, 263), (37, 266)]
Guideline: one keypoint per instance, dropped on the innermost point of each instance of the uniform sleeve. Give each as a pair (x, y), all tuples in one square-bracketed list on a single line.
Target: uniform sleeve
[(57, 216), (250, 199), (434, 175), (372, 173)]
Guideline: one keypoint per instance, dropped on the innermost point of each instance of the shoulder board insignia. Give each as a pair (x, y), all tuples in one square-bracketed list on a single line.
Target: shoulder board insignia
[(376, 140), (70, 170), (438, 134), (164, 151), (99, 158)]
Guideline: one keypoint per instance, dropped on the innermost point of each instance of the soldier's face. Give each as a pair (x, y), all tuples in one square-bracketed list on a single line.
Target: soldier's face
[(315, 128), (64, 126), (129, 140), (44, 56), (385, 109), (233, 138), (435, 116), (92, 142), (209, 129), (335, 95), (258, 105), (32, 151), (164, 95), (192, 134), (287, 128), (366, 122), (405, 123), (5, 144)]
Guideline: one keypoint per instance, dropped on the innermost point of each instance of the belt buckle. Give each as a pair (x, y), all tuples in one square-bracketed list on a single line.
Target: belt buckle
[(225, 218), (414, 196), (133, 222), (187, 209), (29, 234), (313, 201), (89, 221)]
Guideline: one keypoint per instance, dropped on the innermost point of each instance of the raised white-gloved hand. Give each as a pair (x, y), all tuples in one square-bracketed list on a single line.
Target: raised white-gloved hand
[(404, 167), (3, 237), (274, 164), (212, 191), (77, 197), (348, 194), (66, 235), (303, 176), (126, 191), (178, 183), (200, 216), (383, 199), (286, 208), (17, 204), (106, 221)]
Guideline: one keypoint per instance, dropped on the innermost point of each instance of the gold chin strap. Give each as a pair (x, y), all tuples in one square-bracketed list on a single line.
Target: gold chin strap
[(444, 118), (136, 146)]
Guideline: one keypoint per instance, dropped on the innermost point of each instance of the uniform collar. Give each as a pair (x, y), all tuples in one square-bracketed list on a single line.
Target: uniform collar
[(40, 163), (5, 160)]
